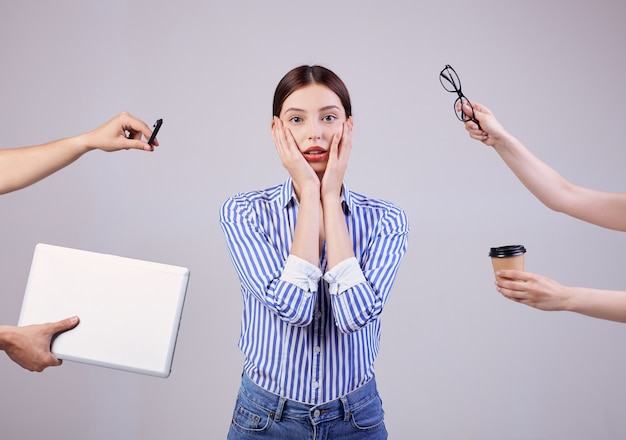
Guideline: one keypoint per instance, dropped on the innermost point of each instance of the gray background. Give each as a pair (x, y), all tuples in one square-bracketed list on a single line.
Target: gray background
[(458, 361)]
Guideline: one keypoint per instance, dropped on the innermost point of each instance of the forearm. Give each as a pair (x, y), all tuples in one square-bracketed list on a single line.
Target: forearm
[(540, 179), (306, 238), (21, 167), (603, 304), (606, 209), (338, 244), (288, 291), (353, 300), (360, 285), (287, 287)]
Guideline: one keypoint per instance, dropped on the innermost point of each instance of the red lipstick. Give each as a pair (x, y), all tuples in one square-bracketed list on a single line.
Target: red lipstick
[(315, 154)]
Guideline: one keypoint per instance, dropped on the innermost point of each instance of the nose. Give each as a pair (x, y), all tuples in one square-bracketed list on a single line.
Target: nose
[(314, 130)]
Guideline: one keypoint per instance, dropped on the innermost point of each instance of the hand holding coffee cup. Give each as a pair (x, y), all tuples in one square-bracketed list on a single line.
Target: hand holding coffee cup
[(507, 257)]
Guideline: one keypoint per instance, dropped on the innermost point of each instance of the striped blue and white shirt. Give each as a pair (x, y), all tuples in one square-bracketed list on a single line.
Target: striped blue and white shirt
[(311, 334)]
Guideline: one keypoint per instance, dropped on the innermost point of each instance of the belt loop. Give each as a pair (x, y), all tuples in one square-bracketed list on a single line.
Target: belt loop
[(279, 409), (346, 408)]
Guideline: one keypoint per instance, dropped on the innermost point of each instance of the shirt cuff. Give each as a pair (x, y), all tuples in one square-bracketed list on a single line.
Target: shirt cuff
[(301, 273), (344, 276)]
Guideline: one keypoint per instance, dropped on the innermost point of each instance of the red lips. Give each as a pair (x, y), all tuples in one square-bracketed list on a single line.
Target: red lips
[(315, 154)]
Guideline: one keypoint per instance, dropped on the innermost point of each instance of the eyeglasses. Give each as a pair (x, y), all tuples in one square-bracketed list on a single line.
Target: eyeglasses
[(451, 82)]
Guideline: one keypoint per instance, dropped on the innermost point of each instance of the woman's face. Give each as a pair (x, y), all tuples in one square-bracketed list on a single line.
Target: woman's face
[(313, 114)]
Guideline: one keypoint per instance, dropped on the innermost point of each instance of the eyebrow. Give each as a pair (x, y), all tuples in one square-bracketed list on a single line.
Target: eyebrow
[(323, 109)]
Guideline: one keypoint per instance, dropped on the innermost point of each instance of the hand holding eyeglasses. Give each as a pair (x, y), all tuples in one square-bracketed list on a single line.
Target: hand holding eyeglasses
[(491, 132), (451, 82)]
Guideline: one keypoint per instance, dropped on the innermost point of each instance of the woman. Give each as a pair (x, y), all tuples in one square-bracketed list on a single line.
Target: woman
[(316, 263), (606, 209)]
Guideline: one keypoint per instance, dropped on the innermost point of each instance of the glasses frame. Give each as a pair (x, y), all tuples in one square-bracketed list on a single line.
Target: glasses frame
[(451, 82)]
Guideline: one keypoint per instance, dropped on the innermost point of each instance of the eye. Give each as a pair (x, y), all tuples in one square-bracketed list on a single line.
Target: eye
[(329, 118), (296, 119)]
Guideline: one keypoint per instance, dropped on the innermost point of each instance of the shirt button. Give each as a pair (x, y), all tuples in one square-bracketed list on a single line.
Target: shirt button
[(317, 349), (318, 315), (315, 385)]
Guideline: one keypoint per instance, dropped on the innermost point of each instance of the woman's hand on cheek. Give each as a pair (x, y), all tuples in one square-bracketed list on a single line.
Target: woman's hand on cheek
[(290, 155), (339, 154)]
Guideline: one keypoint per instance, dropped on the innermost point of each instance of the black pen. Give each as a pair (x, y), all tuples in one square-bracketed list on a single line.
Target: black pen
[(157, 126)]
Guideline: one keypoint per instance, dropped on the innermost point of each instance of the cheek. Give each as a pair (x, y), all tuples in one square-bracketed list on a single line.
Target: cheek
[(334, 131), (336, 128), (298, 133)]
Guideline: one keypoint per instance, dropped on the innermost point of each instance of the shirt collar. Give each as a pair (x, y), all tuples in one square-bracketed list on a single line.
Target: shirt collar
[(346, 199), (288, 195)]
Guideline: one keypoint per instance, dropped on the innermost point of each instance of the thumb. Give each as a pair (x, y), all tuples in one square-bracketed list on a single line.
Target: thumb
[(64, 325), (139, 145), (479, 109)]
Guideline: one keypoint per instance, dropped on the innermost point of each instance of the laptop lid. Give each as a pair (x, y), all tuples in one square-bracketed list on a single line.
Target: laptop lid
[(129, 309)]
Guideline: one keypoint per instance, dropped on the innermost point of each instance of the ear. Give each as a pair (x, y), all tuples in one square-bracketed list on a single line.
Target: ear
[(350, 122)]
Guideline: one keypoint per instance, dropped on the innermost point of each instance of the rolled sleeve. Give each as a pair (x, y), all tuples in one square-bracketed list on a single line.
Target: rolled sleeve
[(301, 273), (344, 276)]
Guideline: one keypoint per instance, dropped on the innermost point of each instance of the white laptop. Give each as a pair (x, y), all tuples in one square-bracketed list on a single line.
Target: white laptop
[(129, 309)]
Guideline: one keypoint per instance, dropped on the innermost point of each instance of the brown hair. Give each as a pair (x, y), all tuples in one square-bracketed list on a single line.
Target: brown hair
[(303, 76)]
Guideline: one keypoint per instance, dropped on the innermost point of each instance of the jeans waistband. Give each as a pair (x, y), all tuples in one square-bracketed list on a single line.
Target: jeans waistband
[(283, 407)]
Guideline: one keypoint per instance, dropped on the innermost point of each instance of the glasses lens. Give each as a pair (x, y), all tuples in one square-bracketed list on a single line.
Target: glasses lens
[(458, 109), (450, 80)]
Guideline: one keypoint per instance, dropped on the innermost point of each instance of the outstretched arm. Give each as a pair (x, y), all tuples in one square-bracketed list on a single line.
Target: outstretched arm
[(21, 167), (606, 209), (545, 294)]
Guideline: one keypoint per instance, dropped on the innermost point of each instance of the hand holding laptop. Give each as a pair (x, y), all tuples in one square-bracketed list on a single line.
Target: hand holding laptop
[(29, 346)]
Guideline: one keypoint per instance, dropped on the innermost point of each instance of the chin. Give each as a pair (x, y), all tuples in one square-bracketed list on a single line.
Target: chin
[(319, 169)]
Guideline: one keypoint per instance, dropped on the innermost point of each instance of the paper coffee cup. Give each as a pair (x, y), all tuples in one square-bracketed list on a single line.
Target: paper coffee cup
[(507, 257)]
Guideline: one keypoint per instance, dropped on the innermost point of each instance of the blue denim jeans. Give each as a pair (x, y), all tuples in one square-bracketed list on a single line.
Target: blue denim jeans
[(260, 414)]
